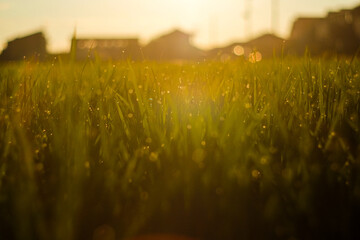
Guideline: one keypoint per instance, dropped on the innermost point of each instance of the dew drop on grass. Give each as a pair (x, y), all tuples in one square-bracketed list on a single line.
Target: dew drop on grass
[(264, 160), (153, 156), (87, 164), (255, 173)]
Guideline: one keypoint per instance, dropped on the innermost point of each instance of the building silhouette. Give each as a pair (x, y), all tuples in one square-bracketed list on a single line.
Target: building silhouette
[(266, 46), (175, 45), (337, 33), (31, 46), (105, 48)]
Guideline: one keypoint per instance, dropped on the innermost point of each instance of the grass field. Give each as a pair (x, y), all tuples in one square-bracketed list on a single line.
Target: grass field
[(212, 150)]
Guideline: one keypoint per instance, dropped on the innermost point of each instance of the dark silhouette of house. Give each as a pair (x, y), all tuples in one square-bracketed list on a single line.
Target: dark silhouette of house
[(338, 32), (175, 45), (266, 46), (105, 48), (310, 33), (32, 46), (232, 51), (345, 30)]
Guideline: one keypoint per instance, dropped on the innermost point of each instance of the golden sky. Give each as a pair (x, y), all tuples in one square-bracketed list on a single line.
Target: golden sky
[(213, 22)]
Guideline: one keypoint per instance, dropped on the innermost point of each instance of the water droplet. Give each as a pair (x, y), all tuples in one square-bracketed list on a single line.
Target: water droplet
[(255, 173), (153, 156), (264, 160), (87, 164), (247, 105)]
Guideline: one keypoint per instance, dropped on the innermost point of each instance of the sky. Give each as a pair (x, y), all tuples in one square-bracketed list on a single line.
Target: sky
[(212, 22)]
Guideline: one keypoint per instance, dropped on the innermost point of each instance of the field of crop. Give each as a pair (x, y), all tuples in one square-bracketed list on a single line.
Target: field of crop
[(235, 150)]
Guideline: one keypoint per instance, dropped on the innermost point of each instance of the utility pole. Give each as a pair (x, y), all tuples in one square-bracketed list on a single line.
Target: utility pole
[(73, 46), (274, 15)]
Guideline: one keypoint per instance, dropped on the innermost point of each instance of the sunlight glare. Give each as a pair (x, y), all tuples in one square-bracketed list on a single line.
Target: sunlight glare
[(255, 57), (238, 50)]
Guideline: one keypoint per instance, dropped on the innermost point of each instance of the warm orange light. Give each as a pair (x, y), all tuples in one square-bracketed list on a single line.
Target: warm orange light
[(255, 57), (238, 50)]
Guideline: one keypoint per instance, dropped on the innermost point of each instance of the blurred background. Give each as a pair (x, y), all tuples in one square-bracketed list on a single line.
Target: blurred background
[(212, 22)]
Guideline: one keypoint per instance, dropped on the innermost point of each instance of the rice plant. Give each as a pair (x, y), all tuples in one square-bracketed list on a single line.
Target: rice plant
[(234, 150)]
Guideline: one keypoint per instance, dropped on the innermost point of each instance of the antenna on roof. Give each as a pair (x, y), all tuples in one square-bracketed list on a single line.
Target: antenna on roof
[(74, 33), (248, 18), (73, 45)]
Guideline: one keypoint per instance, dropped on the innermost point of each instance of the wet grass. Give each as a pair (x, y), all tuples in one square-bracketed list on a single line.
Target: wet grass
[(212, 150)]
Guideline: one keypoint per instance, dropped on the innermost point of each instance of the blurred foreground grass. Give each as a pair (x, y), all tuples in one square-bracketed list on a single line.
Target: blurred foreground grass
[(212, 150)]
